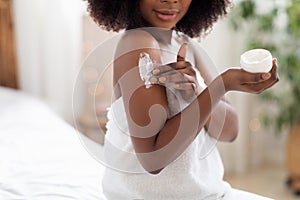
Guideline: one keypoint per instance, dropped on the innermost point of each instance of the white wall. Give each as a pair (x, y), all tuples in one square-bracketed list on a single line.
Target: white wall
[(48, 35)]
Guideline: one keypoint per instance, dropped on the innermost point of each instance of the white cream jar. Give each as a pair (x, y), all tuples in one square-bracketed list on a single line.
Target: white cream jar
[(256, 61)]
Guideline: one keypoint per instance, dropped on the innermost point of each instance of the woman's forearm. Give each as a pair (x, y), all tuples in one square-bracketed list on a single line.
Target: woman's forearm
[(180, 130), (223, 122)]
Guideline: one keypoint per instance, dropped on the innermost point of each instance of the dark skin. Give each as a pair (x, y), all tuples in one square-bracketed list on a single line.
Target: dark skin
[(157, 139)]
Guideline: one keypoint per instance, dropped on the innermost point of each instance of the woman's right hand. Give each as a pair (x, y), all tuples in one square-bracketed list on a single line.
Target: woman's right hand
[(256, 83)]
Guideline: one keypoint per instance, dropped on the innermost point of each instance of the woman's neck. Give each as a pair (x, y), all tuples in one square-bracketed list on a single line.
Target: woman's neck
[(161, 35)]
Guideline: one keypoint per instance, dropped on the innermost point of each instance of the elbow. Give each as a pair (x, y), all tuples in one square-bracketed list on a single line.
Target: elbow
[(155, 172), (151, 170), (233, 133), (233, 137), (233, 128), (228, 136), (150, 167), (230, 133)]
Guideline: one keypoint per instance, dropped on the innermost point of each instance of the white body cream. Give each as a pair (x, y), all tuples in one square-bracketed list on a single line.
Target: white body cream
[(146, 66), (256, 61)]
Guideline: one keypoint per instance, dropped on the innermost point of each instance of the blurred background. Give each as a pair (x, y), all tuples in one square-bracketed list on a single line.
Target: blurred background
[(52, 39)]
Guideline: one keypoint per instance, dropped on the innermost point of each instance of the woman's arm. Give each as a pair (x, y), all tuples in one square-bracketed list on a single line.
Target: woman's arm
[(223, 127), (156, 139), (223, 122)]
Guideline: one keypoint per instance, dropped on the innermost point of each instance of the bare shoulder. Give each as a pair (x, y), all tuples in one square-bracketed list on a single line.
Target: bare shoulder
[(203, 62), (134, 40), (131, 44)]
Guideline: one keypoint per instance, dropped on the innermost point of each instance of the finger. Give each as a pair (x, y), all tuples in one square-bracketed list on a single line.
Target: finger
[(252, 78), (154, 80), (161, 69), (266, 76), (158, 81), (189, 70), (262, 86), (274, 67), (270, 82), (182, 52), (178, 78), (274, 78), (273, 70), (185, 86), (171, 67), (274, 61), (274, 82), (172, 78), (261, 77)]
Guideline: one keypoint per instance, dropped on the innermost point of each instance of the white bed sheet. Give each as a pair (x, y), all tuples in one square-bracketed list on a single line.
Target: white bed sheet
[(41, 156)]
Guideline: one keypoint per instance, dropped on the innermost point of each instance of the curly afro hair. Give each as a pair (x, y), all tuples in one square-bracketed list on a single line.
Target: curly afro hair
[(115, 15)]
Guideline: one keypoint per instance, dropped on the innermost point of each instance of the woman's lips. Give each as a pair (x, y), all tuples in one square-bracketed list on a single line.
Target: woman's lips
[(166, 15)]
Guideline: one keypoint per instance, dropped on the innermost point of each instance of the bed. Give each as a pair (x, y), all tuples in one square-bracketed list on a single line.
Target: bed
[(42, 157)]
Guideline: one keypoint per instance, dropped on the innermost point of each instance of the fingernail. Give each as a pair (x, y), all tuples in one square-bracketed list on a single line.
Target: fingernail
[(155, 71), (182, 51), (162, 79), (153, 80), (266, 76)]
